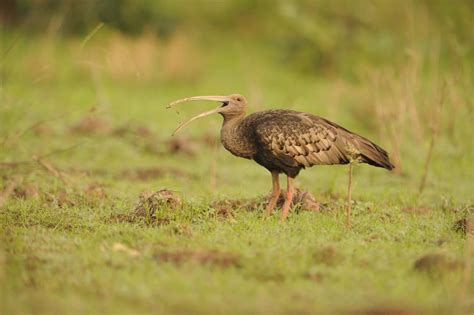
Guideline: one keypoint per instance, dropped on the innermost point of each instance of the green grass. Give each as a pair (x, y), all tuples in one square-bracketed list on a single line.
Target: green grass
[(58, 250)]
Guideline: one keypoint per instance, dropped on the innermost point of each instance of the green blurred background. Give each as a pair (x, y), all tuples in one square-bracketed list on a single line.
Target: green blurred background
[(84, 86), (317, 37), (400, 73)]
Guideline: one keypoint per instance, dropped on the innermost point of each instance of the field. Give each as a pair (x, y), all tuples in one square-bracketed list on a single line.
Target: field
[(84, 132)]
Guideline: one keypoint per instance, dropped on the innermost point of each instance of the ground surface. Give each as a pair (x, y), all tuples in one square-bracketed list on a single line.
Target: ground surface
[(83, 137)]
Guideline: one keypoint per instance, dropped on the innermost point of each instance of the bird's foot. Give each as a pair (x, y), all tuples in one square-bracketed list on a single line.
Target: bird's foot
[(270, 206)]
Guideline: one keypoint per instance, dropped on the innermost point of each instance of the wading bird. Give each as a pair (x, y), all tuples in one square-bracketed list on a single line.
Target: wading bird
[(286, 141)]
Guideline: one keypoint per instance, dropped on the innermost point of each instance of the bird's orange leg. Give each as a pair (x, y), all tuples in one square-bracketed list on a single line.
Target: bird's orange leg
[(289, 198), (275, 194)]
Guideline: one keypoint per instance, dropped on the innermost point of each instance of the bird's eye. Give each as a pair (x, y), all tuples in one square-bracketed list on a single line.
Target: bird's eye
[(239, 99)]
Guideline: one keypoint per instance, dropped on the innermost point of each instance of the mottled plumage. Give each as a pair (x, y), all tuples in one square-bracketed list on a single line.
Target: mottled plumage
[(285, 141)]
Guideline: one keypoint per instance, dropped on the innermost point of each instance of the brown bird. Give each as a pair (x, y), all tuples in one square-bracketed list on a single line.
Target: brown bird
[(286, 141)]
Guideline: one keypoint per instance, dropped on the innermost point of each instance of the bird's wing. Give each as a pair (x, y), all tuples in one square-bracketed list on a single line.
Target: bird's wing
[(299, 139)]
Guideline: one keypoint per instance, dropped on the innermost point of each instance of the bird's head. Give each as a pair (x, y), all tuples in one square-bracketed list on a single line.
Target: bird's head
[(232, 106)]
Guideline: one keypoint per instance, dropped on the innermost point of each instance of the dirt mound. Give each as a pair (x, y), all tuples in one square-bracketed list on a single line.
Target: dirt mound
[(183, 146), (302, 201), (90, 125), (211, 257), (146, 174), (151, 202), (27, 191), (153, 207), (159, 207), (436, 263), (225, 208), (328, 256), (95, 190), (465, 226), (132, 130)]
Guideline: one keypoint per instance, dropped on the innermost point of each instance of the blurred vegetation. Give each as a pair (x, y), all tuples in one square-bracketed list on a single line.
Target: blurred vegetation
[(315, 36), (84, 131)]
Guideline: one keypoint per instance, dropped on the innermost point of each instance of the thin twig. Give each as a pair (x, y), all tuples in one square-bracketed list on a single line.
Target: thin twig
[(54, 152), (50, 168), (91, 34), (57, 151), (427, 164), (21, 133), (9, 48)]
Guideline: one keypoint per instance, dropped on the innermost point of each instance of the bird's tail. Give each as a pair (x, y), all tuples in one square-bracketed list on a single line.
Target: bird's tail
[(372, 154)]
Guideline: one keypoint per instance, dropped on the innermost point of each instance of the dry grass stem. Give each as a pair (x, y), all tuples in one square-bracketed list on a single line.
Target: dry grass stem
[(6, 193), (213, 170), (349, 196), (9, 138), (51, 169), (436, 121), (91, 34)]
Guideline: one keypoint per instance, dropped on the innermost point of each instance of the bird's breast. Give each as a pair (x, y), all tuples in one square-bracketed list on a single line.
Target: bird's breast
[(237, 141)]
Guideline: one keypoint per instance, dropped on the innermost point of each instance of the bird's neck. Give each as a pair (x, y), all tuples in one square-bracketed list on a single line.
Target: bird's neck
[(235, 137)]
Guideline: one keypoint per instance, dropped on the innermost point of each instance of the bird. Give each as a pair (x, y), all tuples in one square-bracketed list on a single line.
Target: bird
[(286, 141)]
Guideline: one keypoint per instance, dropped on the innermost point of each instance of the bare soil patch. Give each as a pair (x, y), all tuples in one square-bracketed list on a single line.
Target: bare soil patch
[(387, 310), (328, 256), (465, 226), (302, 201), (149, 208), (146, 174), (96, 191), (157, 207), (203, 257), (314, 276), (43, 130), (436, 264), (150, 202), (27, 191), (90, 125), (183, 146), (132, 130)]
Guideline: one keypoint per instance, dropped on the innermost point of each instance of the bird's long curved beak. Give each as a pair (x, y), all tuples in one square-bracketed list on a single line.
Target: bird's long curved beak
[(215, 98), (187, 122)]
